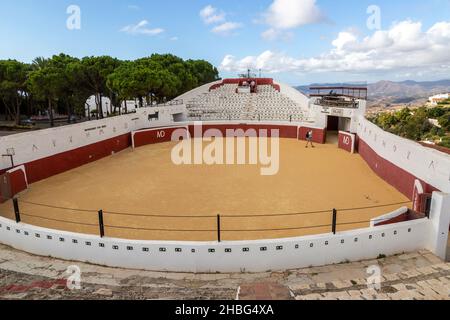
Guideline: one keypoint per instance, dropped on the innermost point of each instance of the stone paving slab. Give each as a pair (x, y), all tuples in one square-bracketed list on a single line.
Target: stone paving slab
[(264, 291), (410, 276)]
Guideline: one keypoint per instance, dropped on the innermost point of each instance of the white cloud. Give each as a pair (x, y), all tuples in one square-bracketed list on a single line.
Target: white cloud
[(405, 47), (211, 15), (174, 39), (273, 34), (270, 34), (226, 28), (344, 38), (288, 14), (141, 28), (268, 61), (284, 15)]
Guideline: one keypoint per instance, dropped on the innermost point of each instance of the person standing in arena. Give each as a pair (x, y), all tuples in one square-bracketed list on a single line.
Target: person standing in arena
[(309, 139)]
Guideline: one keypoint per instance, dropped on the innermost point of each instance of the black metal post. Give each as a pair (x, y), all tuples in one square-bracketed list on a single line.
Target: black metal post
[(100, 223), (218, 228), (16, 209), (334, 220)]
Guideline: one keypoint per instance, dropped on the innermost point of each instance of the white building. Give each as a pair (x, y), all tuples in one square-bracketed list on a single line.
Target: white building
[(434, 100), (107, 107)]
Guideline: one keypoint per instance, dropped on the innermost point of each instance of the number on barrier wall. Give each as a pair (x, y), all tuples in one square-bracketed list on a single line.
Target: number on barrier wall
[(160, 134)]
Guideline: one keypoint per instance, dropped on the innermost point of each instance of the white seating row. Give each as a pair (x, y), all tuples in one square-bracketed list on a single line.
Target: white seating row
[(223, 103)]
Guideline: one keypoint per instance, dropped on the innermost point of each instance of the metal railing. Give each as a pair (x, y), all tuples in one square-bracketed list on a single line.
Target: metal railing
[(171, 103), (337, 104), (103, 220)]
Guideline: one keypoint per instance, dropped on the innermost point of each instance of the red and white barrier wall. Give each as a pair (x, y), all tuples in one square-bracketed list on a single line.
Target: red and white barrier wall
[(45, 153), (285, 131), (13, 182), (50, 152), (402, 162)]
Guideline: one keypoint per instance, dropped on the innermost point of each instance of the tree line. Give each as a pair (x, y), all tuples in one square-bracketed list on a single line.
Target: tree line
[(63, 83), (416, 124)]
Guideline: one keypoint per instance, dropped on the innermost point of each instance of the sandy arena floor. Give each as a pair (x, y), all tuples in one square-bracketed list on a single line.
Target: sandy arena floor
[(146, 182)]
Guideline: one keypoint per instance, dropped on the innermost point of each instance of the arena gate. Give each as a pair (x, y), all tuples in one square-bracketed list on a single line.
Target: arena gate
[(13, 182), (347, 141)]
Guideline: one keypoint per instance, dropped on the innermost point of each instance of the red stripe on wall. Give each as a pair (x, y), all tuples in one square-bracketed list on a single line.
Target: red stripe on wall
[(142, 138), (399, 178), (407, 216), (46, 167), (319, 135), (287, 132), (401, 218), (17, 182)]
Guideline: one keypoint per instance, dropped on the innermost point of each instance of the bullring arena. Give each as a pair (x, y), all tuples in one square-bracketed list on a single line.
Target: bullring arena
[(108, 191), (156, 186)]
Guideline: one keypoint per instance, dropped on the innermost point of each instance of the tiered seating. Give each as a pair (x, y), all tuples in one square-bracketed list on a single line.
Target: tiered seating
[(223, 103)]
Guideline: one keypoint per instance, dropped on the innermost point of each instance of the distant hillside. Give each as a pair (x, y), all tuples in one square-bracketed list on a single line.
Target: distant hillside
[(386, 93)]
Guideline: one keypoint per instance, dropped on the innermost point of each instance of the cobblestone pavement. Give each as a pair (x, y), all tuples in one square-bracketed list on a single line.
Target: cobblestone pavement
[(419, 275)]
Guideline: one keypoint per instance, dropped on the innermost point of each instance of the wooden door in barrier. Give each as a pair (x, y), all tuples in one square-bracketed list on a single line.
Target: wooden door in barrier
[(5, 187)]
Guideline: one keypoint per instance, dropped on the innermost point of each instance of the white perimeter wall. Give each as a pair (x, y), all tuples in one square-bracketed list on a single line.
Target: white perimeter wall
[(237, 256), (215, 257), (427, 164)]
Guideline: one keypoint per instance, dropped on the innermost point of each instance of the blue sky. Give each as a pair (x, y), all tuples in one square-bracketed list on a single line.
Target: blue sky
[(296, 41)]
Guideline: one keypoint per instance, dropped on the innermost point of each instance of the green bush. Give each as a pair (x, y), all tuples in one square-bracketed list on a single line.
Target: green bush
[(415, 124), (445, 142), (444, 121)]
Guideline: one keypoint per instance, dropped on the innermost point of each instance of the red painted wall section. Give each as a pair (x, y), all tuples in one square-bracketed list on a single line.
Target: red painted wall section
[(145, 137), (346, 142), (50, 166), (408, 216), (18, 182), (287, 132), (260, 81), (400, 218), (265, 81), (319, 135), (402, 180), (215, 86), (357, 143)]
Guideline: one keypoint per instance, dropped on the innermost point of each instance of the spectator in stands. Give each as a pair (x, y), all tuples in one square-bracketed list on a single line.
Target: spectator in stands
[(309, 139)]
